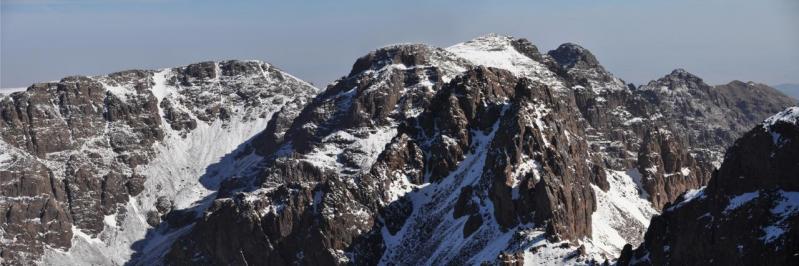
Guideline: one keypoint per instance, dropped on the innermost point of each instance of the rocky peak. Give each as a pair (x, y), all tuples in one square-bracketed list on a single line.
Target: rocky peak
[(407, 55), (491, 41), (738, 83), (384, 87), (678, 80), (770, 165), (199, 71), (788, 117), (518, 56), (242, 68), (753, 99), (497, 42), (570, 55), (583, 69), (527, 48), (689, 105)]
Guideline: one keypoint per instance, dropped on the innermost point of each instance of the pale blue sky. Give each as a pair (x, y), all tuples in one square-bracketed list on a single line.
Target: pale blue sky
[(719, 40)]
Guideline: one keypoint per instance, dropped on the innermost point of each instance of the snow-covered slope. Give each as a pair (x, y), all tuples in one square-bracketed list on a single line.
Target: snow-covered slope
[(622, 215), (498, 51)]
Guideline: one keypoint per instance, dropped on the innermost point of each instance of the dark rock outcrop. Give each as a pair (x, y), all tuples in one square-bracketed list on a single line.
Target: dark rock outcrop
[(539, 157), (667, 169)]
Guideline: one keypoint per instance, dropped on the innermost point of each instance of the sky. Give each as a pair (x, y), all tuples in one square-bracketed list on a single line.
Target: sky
[(318, 41)]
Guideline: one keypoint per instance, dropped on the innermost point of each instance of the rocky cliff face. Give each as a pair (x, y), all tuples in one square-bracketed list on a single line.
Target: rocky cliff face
[(486, 151), (83, 157), (749, 212)]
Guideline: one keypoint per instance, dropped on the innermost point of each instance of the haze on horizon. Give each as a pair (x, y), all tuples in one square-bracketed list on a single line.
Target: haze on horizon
[(718, 40)]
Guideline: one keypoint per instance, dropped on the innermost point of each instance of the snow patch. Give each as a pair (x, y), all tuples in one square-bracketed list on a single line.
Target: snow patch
[(498, 52), (528, 166), (790, 115), (623, 213), (685, 171), (121, 92), (787, 206), (740, 200), (689, 195), (771, 233), (326, 155)]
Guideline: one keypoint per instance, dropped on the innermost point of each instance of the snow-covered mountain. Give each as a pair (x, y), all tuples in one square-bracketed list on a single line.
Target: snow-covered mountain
[(488, 151)]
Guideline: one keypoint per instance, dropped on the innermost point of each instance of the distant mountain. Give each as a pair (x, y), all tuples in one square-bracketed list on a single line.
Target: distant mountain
[(790, 89)]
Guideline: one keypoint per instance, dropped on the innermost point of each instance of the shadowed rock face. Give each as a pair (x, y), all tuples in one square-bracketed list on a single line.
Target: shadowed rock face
[(748, 213), (573, 56), (667, 169), (555, 190)]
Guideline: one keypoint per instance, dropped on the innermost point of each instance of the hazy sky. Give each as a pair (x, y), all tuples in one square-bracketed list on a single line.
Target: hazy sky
[(719, 40)]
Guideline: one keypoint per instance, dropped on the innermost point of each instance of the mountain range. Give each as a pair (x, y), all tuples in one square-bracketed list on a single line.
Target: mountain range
[(485, 152)]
